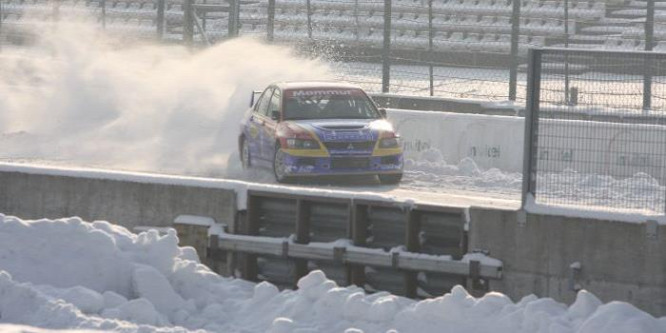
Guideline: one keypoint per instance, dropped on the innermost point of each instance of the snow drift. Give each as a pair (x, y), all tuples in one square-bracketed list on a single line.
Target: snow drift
[(70, 274)]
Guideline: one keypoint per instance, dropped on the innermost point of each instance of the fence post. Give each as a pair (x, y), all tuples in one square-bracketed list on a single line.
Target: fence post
[(233, 18), (515, 34), (567, 98), (103, 18), (649, 41), (308, 7), (160, 18), (430, 53), (386, 53), (270, 25), (531, 123), (56, 11), (1, 37), (188, 22)]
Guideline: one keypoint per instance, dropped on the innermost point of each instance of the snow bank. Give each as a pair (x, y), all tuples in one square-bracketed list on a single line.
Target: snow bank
[(70, 274)]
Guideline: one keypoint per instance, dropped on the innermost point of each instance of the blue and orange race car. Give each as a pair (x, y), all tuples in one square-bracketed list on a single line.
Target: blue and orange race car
[(319, 128)]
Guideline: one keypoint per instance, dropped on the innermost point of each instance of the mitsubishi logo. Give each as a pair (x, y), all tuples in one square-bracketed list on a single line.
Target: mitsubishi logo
[(350, 147)]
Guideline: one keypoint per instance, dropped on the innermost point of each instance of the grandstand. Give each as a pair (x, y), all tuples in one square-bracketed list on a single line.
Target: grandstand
[(480, 26)]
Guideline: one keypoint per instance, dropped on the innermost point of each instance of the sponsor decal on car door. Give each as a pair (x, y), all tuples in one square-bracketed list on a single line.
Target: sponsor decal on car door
[(268, 139), (256, 124)]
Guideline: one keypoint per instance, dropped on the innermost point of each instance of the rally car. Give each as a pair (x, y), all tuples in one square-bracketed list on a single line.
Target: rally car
[(319, 128)]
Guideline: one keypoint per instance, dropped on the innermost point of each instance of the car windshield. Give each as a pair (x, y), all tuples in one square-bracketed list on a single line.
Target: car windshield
[(328, 104)]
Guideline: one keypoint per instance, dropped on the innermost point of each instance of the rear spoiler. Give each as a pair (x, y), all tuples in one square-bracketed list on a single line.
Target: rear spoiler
[(253, 98)]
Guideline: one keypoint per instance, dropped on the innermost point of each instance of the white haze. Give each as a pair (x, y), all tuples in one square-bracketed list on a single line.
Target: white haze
[(80, 97)]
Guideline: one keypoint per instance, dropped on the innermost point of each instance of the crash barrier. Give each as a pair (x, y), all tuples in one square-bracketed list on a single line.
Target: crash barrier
[(558, 253), (382, 245), (128, 199), (551, 254)]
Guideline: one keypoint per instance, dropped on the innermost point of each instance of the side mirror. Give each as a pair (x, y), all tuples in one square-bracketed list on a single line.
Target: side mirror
[(275, 115), (382, 112)]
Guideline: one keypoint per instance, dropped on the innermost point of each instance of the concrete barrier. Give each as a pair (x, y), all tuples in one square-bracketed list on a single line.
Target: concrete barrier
[(553, 256), (622, 149), (124, 199)]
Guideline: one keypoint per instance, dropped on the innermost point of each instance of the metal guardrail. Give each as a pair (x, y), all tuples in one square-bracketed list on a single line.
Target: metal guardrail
[(349, 254), (406, 248)]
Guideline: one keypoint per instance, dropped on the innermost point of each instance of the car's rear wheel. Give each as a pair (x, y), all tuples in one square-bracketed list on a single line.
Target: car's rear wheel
[(390, 179), (279, 166), (246, 162)]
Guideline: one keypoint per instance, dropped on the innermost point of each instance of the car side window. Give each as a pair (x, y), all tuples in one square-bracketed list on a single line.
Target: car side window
[(264, 100), (275, 103)]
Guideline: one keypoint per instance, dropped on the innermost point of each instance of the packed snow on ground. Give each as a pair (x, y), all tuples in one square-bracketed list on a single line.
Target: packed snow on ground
[(71, 274)]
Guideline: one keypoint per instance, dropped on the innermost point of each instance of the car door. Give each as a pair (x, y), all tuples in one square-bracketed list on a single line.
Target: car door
[(270, 125), (256, 124)]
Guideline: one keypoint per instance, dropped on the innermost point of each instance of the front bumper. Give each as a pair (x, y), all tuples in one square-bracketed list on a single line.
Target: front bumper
[(343, 165)]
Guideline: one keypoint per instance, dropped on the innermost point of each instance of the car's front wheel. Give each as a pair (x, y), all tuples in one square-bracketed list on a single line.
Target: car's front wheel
[(245, 154), (279, 166), (390, 179)]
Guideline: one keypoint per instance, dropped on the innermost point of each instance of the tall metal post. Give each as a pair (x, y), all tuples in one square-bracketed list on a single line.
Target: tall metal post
[(430, 54), (56, 11), (231, 25), (1, 38), (161, 4), (308, 7), (567, 99), (188, 22), (531, 123), (103, 15), (649, 41), (270, 27), (386, 54), (515, 34)]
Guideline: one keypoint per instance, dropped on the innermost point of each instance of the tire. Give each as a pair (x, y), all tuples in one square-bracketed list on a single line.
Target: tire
[(246, 160), (390, 179), (278, 165)]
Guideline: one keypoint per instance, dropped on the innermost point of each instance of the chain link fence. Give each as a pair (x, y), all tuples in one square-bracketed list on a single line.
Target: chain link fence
[(446, 48), (597, 138)]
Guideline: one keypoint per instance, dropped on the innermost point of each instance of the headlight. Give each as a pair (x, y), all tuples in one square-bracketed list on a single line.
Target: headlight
[(302, 144), (389, 143)]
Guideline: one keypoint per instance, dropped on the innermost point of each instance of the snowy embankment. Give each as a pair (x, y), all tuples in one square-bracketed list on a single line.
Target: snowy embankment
[(70, 274)]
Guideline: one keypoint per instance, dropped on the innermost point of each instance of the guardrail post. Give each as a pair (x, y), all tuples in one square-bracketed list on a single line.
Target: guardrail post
[(413, 244), (386, 53), (160, 18), (515, 35), (359, 235), (249, 269), (302, 237)]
